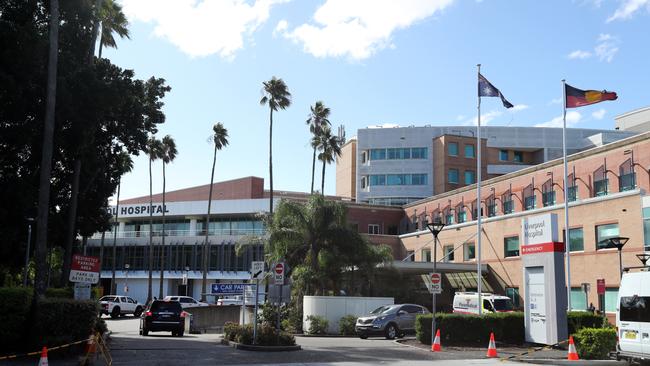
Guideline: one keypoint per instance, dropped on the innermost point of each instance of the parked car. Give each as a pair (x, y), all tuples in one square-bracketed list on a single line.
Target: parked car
[(633, 317), (390, 321), (163, 316), (232, 300), (116, 305), (186, 301), (467, 303)]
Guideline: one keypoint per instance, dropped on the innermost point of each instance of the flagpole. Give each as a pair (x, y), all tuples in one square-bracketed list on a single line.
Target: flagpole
[(567, 244), (478, 201)]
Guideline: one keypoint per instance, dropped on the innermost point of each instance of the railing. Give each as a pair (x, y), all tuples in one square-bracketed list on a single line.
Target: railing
[(176, 233)]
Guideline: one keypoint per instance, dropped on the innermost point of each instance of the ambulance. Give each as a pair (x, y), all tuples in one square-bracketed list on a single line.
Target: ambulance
[(467, 303)]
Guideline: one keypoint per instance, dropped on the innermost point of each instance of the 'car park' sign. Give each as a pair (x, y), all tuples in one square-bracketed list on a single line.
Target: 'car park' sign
[(228, 288), (84, 269)]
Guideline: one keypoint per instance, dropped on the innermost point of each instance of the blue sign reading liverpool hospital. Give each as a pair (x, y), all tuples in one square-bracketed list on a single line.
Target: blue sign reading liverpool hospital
[(228, 288)]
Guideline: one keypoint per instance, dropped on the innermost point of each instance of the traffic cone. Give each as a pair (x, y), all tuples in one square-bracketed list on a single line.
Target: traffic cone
[(573, 354), (90, 345), (435, 347), (492, 348), (43, 361)]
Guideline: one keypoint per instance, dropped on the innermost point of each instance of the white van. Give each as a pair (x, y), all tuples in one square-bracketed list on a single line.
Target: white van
[(633, 317), (467, 303)]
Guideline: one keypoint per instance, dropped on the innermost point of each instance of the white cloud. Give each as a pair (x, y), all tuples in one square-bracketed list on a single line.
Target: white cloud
[(555, 101), (572, 118), (358, 29), (281, 27), (201, 27), (607, 48), (628, 8), (599, 114), (579, 54), (518, 107), (460, 117), (486, 118)]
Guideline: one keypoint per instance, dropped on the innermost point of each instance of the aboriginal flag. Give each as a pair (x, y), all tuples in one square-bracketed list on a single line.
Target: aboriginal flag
[(579, 98)]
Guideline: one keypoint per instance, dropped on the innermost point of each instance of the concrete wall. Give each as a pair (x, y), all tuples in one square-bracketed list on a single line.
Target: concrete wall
[(333, 308), (213, 318), (346, 171)]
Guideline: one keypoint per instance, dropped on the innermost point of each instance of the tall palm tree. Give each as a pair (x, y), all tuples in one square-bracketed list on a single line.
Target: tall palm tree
[(220, 139), (125, 164), (153, 148), (113, 21), (330, 147), (167, 154), (276, 95), (318, 117), (40, 283)]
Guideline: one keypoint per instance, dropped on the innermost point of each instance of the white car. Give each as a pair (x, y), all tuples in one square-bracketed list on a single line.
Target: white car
[(117, 305), (186, 301)]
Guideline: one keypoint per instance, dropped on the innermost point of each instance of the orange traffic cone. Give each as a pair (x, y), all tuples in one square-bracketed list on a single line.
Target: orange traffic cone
[(492, 348), (90, 345), (43, 361), (435, 347), (573, 354)]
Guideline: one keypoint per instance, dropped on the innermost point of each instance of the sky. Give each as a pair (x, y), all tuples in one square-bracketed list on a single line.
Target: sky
[(372, 62)]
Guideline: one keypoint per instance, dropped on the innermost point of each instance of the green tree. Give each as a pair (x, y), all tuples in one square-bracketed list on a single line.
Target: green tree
[(113, 21), (167, 154), (318, 118), (126, 165), (153, 150), (330, 148), (220, 140), (276, 96)]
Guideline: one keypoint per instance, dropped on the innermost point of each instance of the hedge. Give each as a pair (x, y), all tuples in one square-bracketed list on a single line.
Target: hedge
[(347, 325), (266, 335), (577, 320), (15, 304), (595, 343)]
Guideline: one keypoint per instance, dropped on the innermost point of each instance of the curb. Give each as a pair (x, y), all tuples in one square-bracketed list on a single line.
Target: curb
[(542, 361), (324, 336), (249, 347)]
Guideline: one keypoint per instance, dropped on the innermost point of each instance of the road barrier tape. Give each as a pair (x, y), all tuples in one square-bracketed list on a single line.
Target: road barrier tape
[(533, 350), (37, 353)]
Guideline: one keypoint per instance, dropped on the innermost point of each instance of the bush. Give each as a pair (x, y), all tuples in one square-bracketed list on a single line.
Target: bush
[(347, 324), (290, 316), (15, 304), (577, 320), (60, 321), (59, 293), (317, 324), (507, 327), (266, 335), (595, 343)]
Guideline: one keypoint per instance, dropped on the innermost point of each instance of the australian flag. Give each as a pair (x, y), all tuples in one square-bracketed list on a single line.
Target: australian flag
[(486, 89)]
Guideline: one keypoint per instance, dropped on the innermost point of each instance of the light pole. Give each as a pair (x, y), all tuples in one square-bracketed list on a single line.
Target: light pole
[(126, 281), (30, 220), (435, 227), (643, 257), (618, 242), (185, 280)]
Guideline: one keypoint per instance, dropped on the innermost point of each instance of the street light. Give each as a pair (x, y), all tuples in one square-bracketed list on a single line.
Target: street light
[(30, 220), (435, 228), (643, 257), (618, 242), (126, 281), (187, 269)]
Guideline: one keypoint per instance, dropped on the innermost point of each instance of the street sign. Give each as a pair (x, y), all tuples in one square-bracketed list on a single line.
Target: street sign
[(278, 274), (81, 291), (436, 283), (84, 269), (600, 284), (257, 269), (228, 288), (279, 294)]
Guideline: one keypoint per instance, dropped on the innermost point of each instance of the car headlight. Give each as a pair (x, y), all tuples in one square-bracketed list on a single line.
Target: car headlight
[(379, 319)]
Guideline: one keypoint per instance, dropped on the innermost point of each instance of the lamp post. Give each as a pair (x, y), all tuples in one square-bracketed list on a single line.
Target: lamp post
[(435, 228), (30, 220), (126, 281), (643, 257), (185, 281), (618, 242)]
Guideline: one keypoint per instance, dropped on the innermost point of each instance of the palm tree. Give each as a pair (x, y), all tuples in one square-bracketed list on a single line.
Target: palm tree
[(125, 164), (330, 147), (167, 154), (113, 21), (220, 139), (276, 95), (40, 283), (317, 119), (153, 148)]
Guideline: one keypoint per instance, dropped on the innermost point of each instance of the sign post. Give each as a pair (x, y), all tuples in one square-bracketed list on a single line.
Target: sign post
[(600, 289), (278, 276), (257, 272)]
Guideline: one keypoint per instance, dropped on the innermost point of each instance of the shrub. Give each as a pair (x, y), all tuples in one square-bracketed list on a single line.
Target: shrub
[(290, 316), (507, 327), (347, 324), (15, 304), (59, 293), (231, 330), (595, 343), (60, 321), (577, 320), (266, 335), (317, 324)]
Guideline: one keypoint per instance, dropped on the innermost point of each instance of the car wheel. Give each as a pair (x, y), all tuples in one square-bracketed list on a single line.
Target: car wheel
[(173, 333), (363, 336), (145, 332), (180, 333), (137, 312), (391, 331), (116, 312)]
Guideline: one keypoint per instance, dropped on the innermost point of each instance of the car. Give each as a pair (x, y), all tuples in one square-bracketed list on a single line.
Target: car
[(228, 301), (186, 301), (467, 303), (163, 316), (118, 305), (633, 317), (390, 321)]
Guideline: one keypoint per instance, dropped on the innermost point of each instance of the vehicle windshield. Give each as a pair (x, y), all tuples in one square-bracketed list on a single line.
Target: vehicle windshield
[(109, 298), (503, 305), (166, 306), (384, 309)]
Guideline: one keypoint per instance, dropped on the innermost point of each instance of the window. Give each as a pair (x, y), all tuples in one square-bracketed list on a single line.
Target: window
[(449, 219), (469, 251), (452, 176), (576, 239), (627, 181), (518, 157), (406, 179), (364, 157), (419, 153), (548, 198), (611, 299), (503, 155), (378, 154), (508, 206), (511, 246), (462, 216), (573, 193), (418, 179), (373, 229), (646, 227), (377, 180), (600, 187), (410, 256), (635, 309), (470, 177), (426, 255), (469, 151), (513, 294), (448, 253), (604, 232), (491, 208), (399, 153), (364, 182), (578, 299), (452, 149), (529, 202)]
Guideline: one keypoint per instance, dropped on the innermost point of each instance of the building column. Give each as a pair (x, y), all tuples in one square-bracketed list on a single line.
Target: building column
[(192, 227)]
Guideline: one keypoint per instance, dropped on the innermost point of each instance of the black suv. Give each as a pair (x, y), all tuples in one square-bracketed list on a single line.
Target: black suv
[(163, 316)]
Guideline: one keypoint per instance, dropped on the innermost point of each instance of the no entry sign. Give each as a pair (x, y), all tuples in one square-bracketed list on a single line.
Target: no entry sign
[(278, 274), (436, 283)]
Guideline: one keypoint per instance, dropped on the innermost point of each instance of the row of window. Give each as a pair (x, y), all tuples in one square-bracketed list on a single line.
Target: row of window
[(469, 176), (394, 180), (517, 156), (469, 150), (400, 153)]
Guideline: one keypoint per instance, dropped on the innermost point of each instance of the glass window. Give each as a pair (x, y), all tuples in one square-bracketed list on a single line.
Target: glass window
[(508, 207), (449, 219), (418, 179), (377, 154), (377, 180), (452, 176), (419, 153), (513, 294), (611, 299), (448, 253), (578, 299), (600, 187), (604, 232), (452, 149), (426, 255), (511, 246), (627, 181), (503, 155), (492, 209), (470, 177), (635, 308), (410, 254), (399, 153), (646, 227), (373, 229), (364, 157), (469, 251), (529, 202), (462, 216), (469, 151), (573, 193), (548, 198), (395, 179), (518, 157), (576, 239)]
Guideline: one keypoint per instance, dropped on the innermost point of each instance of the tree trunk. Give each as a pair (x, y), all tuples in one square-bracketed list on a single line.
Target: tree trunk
[(40, 282), (72, 221), (113, 289), (162, 248), (271, 161), (101, 251), (91, 49), (149, 284), (322, 184), (101, 44), (204, 258), (313, 169)]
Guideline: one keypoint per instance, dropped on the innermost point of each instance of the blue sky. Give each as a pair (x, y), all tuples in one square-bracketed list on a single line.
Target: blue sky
[(372, 62)]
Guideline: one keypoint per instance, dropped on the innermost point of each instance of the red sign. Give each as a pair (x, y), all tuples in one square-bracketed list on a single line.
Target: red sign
[(542, 248), (435, 278), (601, 286), (279, 268), (84, 263)]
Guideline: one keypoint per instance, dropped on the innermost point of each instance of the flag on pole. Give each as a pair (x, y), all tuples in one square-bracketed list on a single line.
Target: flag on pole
[(486, 89), (579, 98)]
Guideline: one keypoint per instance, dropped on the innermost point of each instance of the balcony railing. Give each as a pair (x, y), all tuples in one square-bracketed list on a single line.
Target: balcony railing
[(176, 233)]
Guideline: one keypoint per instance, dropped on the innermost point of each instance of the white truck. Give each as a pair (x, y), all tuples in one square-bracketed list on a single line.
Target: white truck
[(117, 305), (467, 303), (633, 317), (186, 301)]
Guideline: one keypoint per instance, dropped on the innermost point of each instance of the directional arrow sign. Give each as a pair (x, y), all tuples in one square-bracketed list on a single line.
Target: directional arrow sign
[(257, 269)]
